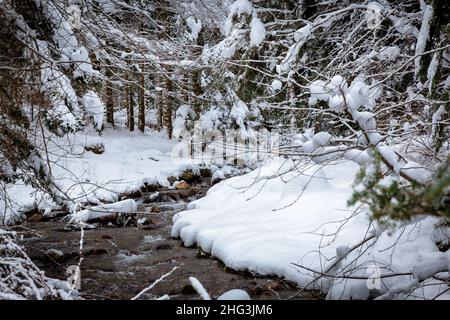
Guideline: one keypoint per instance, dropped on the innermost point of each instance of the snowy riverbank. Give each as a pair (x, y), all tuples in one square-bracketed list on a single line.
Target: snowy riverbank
[(300, 216)]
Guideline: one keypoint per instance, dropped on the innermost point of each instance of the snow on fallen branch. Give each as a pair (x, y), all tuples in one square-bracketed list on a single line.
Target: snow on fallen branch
[(150, 287), (105, 212), (197, 285)]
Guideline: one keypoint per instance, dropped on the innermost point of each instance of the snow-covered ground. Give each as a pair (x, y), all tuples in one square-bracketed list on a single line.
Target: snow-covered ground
[(301, 216), (129, 160), (284, 213)]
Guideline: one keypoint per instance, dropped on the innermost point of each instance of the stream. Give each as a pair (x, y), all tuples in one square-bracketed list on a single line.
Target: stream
[(120, 261)]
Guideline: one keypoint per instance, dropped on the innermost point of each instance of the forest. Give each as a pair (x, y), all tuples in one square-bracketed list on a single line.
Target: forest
[(224, 149)]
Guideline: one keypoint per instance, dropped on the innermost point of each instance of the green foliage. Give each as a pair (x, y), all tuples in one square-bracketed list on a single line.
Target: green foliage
[(396, 202)]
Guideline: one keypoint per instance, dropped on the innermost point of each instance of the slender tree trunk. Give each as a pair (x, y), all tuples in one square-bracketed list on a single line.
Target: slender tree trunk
[(292, 105), (167, 95), (109, 98), (131, 104), (197, 92), (158, 101), (141, 119)]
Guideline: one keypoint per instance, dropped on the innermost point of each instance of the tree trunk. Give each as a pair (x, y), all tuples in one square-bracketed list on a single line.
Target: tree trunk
[(157, 100), (292, 104), (141, 119), (109, 98), (131, 104), (167, 96)]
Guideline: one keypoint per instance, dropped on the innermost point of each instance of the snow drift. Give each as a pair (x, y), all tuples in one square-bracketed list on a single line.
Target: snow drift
[(285, 213)]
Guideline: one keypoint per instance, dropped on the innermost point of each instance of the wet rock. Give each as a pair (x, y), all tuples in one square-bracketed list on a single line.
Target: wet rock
[(188, 194), (217, 177), (95, 252), (54, 254), (97, 148), (151, 187), (131, 195), (164, 246), (190, 176), (182, 185), (155, 210), (126, 220), (37, 217), (157, 221), (205, 172), (443, 246), (175, 206), (274, 285), (172, 179)]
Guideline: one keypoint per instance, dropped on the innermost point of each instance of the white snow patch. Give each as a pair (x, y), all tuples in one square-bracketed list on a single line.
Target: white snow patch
[(423, 36), (195, 26), (276, 85), (125, 206), (94, 106), (257, 32), (235, 294), (261, 225)]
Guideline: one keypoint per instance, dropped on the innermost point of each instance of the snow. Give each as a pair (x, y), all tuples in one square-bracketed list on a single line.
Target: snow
[(257, 32), (339, 95), (22, 279), (321, 139), (276, 85), (432, 69), (235, 294), (229, 52), (97, 212), (182, 115), (318, 90), (260, 225), (18, 198), (58, 86), (236, 222), (366, 120), (240, 7), (436, 118), (303, 33), (199, 288), (238, 113), (94, 106), (336, 103), (130, 160), (423, 36), (71, 51), (336, 85), (195, 26), (388, 53), (447, 82), (300, 37), (210, 119)]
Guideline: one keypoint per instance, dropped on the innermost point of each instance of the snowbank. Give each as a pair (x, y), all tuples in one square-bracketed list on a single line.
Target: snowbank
[(129, 161), (301, 216)]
